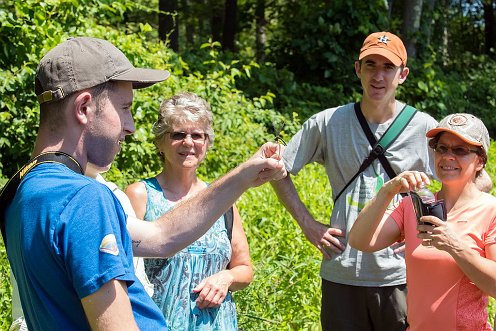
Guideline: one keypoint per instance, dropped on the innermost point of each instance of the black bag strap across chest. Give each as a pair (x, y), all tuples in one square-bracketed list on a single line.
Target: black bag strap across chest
[(379, 147), (9, 190)]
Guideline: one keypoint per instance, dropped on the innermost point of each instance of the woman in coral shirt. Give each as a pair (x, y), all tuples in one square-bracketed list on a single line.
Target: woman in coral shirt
[(450, 264)]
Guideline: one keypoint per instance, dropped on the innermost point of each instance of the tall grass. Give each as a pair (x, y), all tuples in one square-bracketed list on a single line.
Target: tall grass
[(285, 294)]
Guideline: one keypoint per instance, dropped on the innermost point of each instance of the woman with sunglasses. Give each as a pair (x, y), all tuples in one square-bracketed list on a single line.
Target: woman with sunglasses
[(192, 288), (450, 264)]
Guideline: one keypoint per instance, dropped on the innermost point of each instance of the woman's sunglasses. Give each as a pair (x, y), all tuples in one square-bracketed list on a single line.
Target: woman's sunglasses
[(456, 150), (195, 136)]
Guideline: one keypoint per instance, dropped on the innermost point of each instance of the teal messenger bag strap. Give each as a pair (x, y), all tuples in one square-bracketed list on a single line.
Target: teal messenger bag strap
[(379, 147), (9, 190)]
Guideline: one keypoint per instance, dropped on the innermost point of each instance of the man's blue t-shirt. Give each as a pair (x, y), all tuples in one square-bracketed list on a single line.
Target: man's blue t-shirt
[(67, 237)]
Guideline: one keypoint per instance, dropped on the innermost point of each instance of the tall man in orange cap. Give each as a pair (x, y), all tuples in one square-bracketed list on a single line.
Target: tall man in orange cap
[(360, 291)]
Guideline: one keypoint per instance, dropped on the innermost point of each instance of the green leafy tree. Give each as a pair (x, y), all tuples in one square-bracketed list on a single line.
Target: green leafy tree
[(319, 40)]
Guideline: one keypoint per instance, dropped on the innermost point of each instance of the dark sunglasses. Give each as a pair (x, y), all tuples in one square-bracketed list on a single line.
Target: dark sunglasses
[(456, 150), (195, 136)]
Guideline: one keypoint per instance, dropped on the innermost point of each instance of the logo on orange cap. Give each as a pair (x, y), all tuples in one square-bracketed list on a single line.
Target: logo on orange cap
[(383, 39)]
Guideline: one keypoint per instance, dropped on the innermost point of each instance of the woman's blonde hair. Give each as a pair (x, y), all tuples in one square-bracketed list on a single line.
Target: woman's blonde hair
[(181, 108)]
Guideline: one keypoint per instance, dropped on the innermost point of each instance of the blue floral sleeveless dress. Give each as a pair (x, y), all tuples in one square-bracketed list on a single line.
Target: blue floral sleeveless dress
[(174, 278)]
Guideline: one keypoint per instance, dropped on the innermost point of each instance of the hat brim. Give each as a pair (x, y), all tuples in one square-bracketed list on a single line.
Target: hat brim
[(434, 132), (383, 52), (142, 77)]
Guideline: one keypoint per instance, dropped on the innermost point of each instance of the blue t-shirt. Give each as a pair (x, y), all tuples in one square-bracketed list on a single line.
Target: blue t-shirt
[(67, 237)]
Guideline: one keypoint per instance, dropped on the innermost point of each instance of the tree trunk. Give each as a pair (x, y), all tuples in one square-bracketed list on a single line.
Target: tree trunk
[(230, 10), (203, 22), (188, 22), (168, 23), (429, 22), (215, 21), (412, 11), (443, 48), (389, 6), (490, 30), (260, 37)]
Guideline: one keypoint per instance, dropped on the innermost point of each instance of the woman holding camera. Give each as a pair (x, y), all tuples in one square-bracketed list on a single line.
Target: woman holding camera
[(450, 264)]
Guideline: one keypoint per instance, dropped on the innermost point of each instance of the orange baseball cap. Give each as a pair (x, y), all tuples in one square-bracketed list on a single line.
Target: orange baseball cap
[(385, 44)]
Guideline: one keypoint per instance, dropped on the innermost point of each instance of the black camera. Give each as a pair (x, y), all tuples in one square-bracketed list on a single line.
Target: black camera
[(428, 208)]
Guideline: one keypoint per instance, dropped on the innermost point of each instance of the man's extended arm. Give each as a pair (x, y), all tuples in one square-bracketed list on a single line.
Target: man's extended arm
[(190, 219)]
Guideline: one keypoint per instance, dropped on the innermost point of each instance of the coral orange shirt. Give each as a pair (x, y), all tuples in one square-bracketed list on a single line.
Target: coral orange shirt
[(440, 296)]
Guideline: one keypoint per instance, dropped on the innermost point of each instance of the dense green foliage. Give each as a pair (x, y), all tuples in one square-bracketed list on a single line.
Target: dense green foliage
[(250, 102), (325, 58)]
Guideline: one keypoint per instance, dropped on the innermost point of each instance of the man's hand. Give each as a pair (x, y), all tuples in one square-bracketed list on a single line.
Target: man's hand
[(264, 166), (324, 238)]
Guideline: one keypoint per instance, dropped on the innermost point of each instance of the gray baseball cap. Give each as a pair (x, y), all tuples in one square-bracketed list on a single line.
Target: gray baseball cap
[(466, 126), (83, 62)]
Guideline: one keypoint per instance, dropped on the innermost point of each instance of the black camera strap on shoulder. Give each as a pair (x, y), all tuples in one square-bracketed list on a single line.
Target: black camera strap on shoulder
[(9, 190), (229, 221), (379, 147)]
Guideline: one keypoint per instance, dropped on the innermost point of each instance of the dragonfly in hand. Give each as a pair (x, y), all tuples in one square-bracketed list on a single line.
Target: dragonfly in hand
[(277, 128)]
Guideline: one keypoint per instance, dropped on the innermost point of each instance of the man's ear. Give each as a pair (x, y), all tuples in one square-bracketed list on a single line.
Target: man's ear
[(403, 74), (82, 106), (357, 68)]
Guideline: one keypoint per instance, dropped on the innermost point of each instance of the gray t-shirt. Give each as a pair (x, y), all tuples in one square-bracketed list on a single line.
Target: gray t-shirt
[(335, 139)]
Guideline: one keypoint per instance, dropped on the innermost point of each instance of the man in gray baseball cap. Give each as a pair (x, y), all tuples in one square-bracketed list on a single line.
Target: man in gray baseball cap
[(65, 233), (84, 62)]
